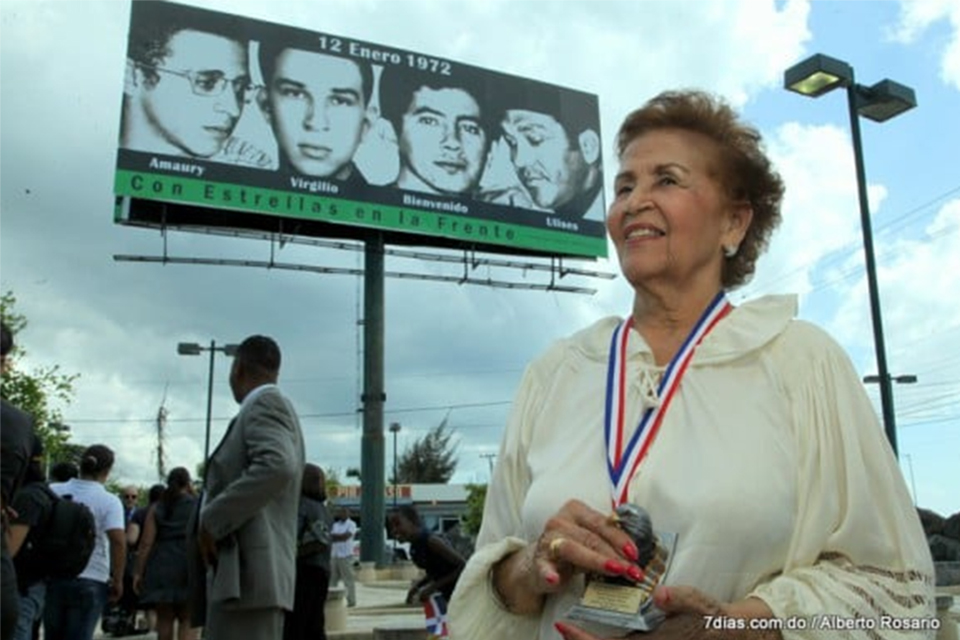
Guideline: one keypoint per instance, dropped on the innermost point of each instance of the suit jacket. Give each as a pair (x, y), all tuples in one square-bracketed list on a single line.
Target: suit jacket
[(252, 487)]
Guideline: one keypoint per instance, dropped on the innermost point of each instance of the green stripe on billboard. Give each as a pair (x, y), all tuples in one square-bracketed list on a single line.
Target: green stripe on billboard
[(321, 208)]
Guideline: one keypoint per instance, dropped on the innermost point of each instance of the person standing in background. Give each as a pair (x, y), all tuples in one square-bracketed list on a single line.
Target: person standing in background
[(246, 533), (73, 606), (343, 531), (306, 621)]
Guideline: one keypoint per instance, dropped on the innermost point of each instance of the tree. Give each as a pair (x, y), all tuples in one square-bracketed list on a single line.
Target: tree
[(431, 459), (333, 481), (473, 518), (37, 392)]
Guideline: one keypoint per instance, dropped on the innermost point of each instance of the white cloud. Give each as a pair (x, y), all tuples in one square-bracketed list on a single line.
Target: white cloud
[(917, 16), (820, 211)]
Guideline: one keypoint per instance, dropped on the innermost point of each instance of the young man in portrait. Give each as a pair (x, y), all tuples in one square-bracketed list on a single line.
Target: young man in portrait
[(318, 105), (186, 84), (441, 128)]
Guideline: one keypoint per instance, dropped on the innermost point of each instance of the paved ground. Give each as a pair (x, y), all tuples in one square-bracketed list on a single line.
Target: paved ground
[(379, 605)]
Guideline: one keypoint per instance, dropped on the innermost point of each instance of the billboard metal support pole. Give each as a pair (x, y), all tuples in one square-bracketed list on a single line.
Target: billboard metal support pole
[(372, 507)]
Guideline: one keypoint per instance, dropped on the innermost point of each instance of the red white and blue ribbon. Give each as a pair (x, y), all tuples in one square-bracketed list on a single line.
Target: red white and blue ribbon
[(623, 457)]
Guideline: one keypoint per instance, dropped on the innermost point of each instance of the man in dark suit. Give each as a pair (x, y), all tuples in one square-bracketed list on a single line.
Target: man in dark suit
[(247, 523), (16, 445)]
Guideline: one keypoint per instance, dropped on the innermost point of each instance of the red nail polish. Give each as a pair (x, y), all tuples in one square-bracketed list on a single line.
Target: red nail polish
[(630, 550), (614, 567), (635, 574), (552, 578), (561, 628)]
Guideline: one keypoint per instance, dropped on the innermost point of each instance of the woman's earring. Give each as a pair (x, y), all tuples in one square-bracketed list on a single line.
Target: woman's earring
[(730, 250)]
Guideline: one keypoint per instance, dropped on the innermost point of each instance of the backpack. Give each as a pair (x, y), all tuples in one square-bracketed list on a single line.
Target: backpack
[(62, 548)]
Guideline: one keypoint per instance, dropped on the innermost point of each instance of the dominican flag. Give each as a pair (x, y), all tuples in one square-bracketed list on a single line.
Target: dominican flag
[(435, 610)]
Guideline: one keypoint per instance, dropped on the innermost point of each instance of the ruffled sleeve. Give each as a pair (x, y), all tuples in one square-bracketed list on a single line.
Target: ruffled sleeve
[(475, 612), (857, 556)]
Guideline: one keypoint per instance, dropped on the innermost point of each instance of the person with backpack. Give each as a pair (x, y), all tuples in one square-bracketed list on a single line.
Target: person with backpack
[(16, 438), (306, 620), (32, 507), (74, 605), (160, 576), (50, 537)]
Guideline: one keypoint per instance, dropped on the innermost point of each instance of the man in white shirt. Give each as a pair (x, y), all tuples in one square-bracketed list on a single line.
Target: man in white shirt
[(74, 605), (341, 561)]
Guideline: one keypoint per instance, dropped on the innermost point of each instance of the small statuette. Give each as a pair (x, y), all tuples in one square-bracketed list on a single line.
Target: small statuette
[(618, 604)]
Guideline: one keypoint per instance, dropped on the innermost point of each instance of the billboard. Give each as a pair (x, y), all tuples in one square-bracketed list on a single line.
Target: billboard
[(239, 123)]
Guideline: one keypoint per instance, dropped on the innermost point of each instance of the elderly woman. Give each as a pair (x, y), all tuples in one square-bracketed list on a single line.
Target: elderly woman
[(742, 430)]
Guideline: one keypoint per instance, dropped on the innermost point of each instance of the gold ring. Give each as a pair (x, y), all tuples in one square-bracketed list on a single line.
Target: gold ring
[(554, 548)]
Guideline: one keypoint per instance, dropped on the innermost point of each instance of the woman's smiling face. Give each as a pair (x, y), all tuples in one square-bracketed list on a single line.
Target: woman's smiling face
[(671, 216)]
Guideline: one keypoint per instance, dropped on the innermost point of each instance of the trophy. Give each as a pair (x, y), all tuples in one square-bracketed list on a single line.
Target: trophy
[(617, 604)]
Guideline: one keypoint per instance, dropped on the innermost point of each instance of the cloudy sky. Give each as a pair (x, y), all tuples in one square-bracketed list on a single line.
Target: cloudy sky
[(460, 350)]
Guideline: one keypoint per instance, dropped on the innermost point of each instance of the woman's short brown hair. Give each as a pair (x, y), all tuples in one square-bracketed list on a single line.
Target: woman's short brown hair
[(744, 168)]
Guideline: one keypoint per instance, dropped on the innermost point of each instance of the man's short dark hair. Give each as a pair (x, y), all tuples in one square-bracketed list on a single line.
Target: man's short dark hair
[(271, 48), (409, 512), (261, 353), (63, 471), (6, 339), (397, 86), (576, 112), (153, 24)]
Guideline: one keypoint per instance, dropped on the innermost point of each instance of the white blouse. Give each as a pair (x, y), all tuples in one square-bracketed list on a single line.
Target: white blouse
[(770, 465)]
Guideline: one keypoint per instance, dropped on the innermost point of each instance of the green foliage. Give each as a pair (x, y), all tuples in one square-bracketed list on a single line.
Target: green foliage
[(333, 480), (39, 392), (473, 518), (430, 460)]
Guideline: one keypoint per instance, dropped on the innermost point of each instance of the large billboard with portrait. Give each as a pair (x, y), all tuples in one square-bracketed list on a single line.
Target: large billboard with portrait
[(238, 123)]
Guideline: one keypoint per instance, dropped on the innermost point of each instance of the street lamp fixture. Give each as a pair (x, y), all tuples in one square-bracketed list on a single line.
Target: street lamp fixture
[(814, 77), (194, 349), (817, 75), (904, 379)]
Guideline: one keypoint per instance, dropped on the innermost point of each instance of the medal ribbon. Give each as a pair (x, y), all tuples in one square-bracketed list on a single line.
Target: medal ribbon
[(622, 461)]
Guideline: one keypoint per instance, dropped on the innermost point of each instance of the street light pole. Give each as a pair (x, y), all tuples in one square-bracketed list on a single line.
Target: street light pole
[(194, 349), (206, 438), (394, 429), (886, 387), (813, 77)]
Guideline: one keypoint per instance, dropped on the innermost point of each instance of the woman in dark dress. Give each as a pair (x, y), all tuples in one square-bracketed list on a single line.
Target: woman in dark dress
[(161, 573)]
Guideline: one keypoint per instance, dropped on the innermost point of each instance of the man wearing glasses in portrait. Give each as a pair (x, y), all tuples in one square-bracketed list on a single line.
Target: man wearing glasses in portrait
[(186, 84)]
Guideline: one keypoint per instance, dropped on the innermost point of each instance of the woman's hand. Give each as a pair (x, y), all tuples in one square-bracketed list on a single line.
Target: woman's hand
[(688, 610), (576, 539), (137, 583)]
